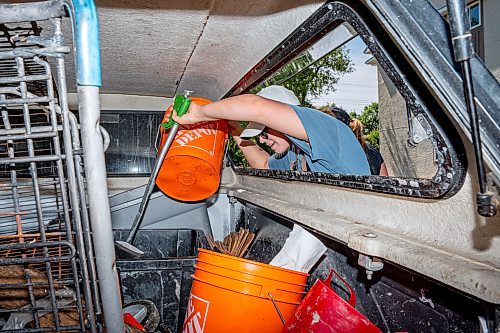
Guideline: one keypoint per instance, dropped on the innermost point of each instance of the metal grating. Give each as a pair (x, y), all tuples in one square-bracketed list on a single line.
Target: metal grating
[(47, 272)]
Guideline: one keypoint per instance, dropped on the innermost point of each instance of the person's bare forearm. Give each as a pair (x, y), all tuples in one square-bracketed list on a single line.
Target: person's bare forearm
[(238, 108), (257, 157), (275, 115), (241, 108)]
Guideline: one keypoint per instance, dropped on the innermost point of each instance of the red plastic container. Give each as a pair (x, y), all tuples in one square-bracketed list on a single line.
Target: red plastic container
[(323, 311)]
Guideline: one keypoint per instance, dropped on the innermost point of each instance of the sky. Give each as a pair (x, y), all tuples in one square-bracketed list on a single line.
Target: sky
[(357, 89)]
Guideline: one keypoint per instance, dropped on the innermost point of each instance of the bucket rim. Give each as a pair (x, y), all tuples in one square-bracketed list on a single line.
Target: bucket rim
[(277, 299), (251, 282), (248, 261)]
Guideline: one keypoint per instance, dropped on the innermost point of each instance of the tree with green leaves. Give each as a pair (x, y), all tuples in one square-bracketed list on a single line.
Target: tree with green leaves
[(309, 78), (237, 155), (369, 118)]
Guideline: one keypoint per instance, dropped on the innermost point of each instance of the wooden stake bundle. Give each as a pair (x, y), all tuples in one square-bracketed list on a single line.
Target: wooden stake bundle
[(234, 244)]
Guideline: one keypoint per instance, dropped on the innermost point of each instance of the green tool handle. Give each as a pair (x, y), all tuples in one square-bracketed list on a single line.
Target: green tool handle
[(181, 106)]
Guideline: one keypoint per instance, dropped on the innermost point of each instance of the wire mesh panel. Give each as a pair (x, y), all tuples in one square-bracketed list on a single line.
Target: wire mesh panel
[(47, 272)]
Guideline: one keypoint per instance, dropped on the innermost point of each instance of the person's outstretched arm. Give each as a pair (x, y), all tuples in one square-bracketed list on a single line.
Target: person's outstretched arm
[(278, 116)]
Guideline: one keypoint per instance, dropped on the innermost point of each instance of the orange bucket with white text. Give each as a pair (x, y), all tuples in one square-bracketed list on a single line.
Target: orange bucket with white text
[(192, 168), (232, 294)]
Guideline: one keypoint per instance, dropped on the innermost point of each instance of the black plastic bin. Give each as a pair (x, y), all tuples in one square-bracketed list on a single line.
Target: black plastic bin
[(163, 275)]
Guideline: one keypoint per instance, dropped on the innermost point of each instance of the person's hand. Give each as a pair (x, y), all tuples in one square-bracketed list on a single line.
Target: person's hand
[(193, 115), (167, 114), (234, 127)]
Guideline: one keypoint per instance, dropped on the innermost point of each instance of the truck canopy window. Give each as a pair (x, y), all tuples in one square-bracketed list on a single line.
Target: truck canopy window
[(353, 68)]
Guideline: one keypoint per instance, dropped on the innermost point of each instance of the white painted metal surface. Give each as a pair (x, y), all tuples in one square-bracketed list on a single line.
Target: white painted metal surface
[(443, 239), (158, 48)]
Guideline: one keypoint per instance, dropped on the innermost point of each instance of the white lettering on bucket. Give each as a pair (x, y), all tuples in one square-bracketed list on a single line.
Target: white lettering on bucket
[(196, 133), (185, 136), (182, 141), (196, 315)]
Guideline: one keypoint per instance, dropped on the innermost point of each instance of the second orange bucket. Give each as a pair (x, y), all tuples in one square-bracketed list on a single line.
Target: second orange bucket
[(231, 294), (192, 168)]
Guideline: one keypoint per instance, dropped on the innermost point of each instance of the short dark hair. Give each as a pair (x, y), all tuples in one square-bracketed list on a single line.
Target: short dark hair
[(338, 113)]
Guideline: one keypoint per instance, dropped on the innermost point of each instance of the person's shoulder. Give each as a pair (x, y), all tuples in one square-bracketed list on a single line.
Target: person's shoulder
[(299, 108), (306, 109), (372, 151)]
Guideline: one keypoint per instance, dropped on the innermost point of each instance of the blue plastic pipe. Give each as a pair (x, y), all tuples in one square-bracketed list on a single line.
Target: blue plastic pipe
[(86, 42)]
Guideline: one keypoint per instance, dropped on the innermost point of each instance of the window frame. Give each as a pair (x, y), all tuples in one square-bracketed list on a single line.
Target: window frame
[(469, 7), (449, 148)]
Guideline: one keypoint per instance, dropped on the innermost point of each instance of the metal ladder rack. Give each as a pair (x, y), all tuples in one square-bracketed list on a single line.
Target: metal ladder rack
[(53, 221)]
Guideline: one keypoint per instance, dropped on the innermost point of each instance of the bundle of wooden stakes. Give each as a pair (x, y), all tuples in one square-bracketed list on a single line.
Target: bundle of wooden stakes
[(234, 244)]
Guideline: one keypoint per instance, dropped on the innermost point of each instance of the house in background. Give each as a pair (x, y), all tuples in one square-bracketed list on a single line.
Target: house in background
[(484, 16), (409, 153)]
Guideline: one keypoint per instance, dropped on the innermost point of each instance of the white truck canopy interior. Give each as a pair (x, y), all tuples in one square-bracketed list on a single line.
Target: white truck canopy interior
[(418, 254), (160, 48)]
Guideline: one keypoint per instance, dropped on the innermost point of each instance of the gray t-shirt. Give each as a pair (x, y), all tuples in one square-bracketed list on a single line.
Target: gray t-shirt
[(332, 146)]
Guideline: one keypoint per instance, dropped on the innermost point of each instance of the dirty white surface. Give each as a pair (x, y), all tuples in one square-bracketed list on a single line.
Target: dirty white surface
[(443, 239), (159, 48)]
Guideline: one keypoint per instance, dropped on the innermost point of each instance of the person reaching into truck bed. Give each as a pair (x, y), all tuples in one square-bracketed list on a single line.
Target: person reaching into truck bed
[(303, 139)]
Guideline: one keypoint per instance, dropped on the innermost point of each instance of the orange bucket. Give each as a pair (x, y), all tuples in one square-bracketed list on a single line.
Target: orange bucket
[(231, 294), (191, 170)]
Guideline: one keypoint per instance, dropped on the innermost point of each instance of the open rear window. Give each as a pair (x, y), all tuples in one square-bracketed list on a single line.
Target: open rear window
[(340, 58)]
